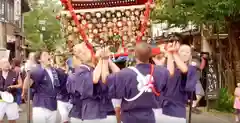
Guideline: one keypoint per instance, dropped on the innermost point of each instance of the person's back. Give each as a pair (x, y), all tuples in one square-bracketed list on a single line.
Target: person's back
[(138, 87), (131, 79)]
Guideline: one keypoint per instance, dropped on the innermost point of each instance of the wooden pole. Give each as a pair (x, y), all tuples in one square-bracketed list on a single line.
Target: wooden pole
[(29, 105), (190, 109), (191, 98)]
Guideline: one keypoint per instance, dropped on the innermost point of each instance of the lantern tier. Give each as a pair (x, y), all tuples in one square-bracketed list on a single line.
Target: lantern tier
[(107, 22), (87, 4)]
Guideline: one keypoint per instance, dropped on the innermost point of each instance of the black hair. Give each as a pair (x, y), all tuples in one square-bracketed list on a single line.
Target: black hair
[(37, 55)]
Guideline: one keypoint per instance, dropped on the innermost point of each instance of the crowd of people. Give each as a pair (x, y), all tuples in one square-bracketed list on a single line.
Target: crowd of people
[(93, 88)]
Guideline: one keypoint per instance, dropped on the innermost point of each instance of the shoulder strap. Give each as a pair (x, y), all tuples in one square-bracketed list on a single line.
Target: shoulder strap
[(83, 65), (138, 73)]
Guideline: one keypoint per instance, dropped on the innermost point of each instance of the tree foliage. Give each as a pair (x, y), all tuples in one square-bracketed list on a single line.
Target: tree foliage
[(224, 13), (33, 29), (179, 12)]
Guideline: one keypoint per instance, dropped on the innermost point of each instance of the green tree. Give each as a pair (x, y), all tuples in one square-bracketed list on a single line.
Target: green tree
[(224, 13), (50, 31)]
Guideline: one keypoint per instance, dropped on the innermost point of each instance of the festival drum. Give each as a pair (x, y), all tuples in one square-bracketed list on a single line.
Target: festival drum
[(106, 22)]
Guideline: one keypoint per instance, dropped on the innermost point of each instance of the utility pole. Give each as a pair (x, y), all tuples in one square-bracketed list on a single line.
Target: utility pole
[(43, 28), (4, 25), (192, 94)]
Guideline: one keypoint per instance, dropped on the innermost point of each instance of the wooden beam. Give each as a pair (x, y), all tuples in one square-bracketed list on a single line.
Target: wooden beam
[(221, 36)]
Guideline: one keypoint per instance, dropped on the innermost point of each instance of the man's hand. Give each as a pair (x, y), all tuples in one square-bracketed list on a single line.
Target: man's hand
[(172, 47), (11, 86), (98, 53), (104, 53)]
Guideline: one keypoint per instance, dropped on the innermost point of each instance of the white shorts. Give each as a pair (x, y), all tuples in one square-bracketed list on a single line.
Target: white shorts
[(10, 109), (64, 108), (109, 119), (162, 118), (157, 113), (43, 115), (75, 120)]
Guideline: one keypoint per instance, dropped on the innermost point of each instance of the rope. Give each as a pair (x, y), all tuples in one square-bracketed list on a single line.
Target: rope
[(146, 18), (147, 86), (69, 6), (150, 83)]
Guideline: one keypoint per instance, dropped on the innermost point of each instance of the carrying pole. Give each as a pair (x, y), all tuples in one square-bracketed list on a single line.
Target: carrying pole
[(28, 104), (190, 109)]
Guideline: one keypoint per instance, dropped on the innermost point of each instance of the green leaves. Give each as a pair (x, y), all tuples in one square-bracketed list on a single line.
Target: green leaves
[(51, 30), (197, 11)]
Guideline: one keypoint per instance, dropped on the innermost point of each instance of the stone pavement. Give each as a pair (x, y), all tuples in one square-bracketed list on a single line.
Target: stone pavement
[(205, 117), (210, 117)]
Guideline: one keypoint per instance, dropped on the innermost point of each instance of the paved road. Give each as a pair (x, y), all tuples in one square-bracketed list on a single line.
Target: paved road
[(212, 118), (202, 118)]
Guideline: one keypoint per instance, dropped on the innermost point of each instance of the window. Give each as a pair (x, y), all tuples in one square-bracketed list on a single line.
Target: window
[(7, 10), (2, 10), (11, 11)]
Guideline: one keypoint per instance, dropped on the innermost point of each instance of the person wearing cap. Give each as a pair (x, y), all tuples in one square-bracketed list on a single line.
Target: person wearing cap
[(10, 81), (46, 81), (138, 87), (179, 86)]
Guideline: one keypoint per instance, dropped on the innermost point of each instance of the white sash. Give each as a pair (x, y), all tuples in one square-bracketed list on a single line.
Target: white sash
[(83, 65), (144, 89)]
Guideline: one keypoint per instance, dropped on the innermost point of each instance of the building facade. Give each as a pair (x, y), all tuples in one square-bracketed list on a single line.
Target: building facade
[(11, 25)]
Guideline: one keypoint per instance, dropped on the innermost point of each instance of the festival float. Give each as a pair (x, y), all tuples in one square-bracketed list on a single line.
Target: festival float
[(115, 23)]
